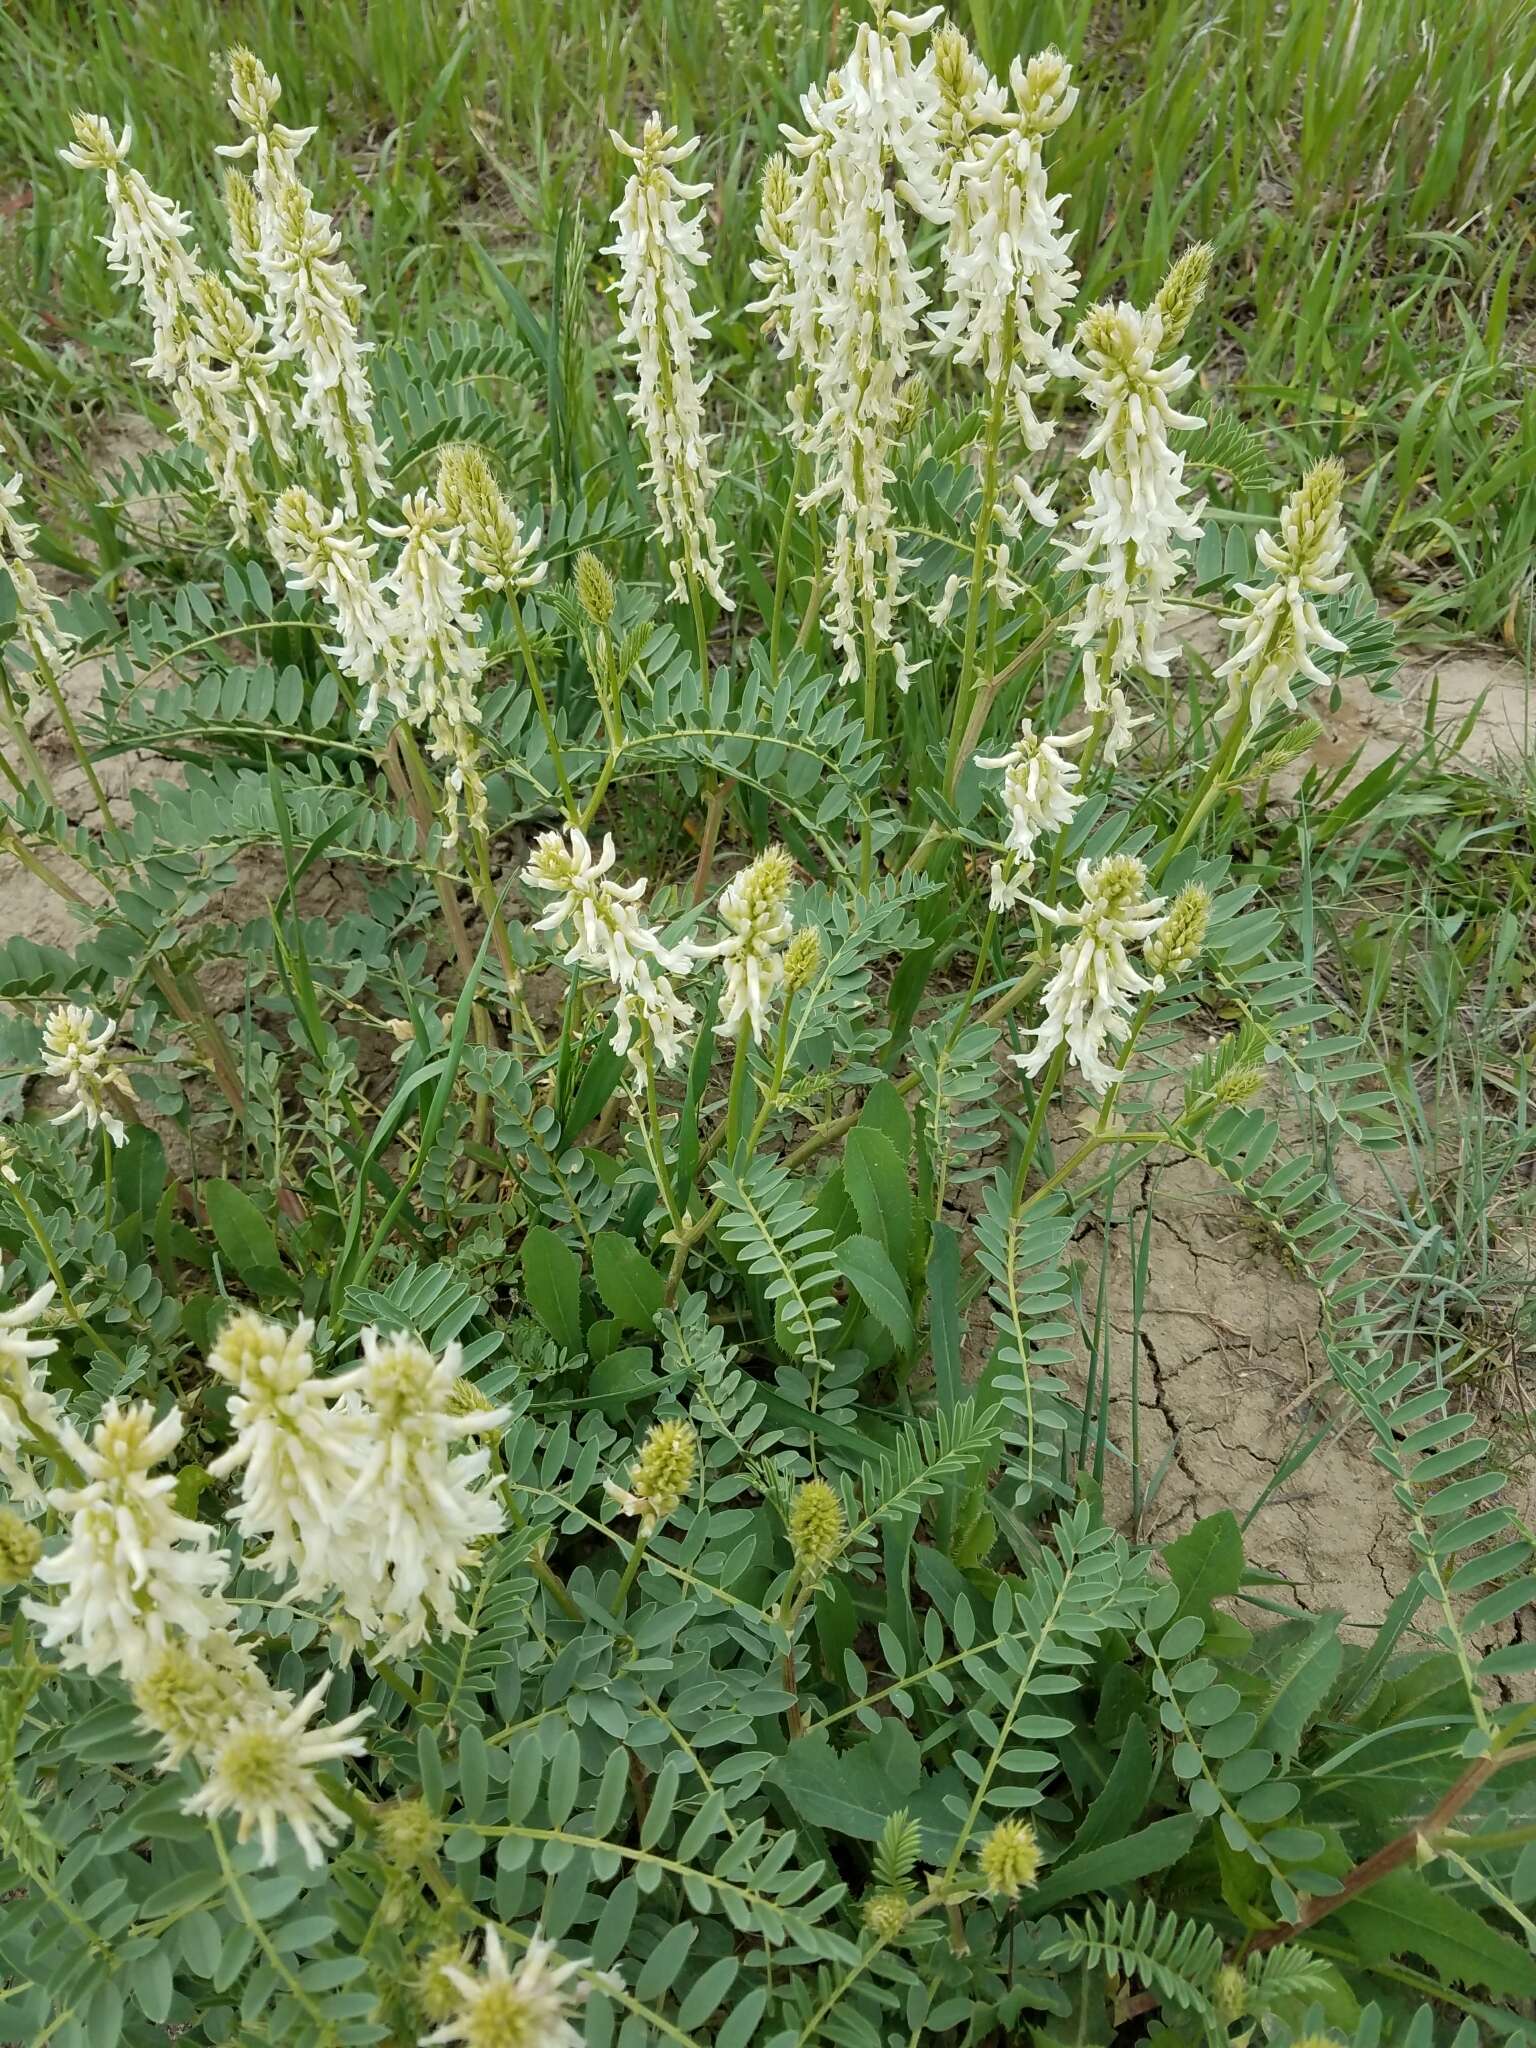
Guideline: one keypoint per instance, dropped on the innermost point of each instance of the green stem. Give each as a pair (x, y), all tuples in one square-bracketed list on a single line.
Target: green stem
[(735, 1102), (984, 513), (637, 1551), (781, 564), (1209, 788), (541, 705), (40, 1237)]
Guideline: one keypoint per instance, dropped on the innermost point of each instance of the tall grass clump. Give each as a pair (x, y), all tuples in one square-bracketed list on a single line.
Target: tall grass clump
[(553, 1493)]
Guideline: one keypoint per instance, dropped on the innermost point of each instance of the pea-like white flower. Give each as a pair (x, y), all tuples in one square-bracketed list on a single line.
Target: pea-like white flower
[(1007, 260), (1087, 1001), (263, 1771), (659, 246), (190, 1694), (1280, 627), (846, 300), (1138, 512), (76, 1055), (1039, 786), (47, 643), (316, 550), (754, 908), (298, 1448), (135, 1573), (24, 1400), (419, 1508), (598, 914), (236, 360), (525, 2007), (209, 365), (312, 296), (1008, 886), (501, 554), (649, 1013), (440, 645), (148, 246)]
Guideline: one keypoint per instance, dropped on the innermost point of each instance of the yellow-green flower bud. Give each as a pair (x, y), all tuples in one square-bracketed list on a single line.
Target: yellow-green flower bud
[(1314, 510), (818, 1527), (436, 1993), (1047, 94), (1181, 292), (594, 588), (778, 194), (499, 552), (1229, 1994), (885, 1914), (660, 1475), (1176, 943), (1010, 1859), (410, 1833), (802, 958), (20, 1548), (189, 1695), (1238, 1086)]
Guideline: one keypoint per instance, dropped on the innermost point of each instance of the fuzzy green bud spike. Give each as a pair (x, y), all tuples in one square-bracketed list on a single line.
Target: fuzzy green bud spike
[(1311, 522), (190, 1695), (410, 1833), (1177, 941), (885, 1914), (660, 1475), (1010, 1859), (1229, 1994), (1237, 1086), (594, 588), (499, 552), (20, 1548), (1181, 292), (802, 958), (818, 1527)]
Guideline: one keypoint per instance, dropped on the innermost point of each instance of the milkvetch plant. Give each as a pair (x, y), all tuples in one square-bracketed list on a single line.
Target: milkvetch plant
[(551, 1490)]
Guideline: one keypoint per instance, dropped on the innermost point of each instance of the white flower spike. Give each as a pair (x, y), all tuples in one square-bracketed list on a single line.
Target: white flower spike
[(1087, 1002), (135, 1573), (75, 1054), (526, 2007), (659, 246), (263, 1772), (1280, 627)]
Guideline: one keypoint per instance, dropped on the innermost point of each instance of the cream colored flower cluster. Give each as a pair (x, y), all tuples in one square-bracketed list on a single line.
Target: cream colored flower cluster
[(659, 245), (76, 1054), (1088, 999), (1040, 796), (208, 350), (358, 1488), (354, 1481), (1007, 257), (1138, 507), (601, 918), (1279, 626), (893, 135), (47, 643), (311, 296), (411, 637), (30, 1417), (846, 301), (409, 634)]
